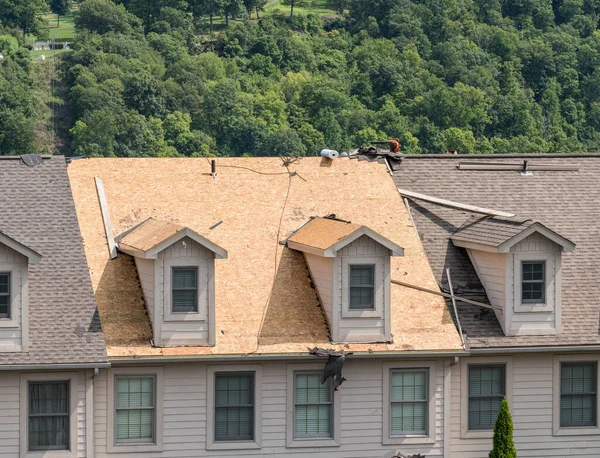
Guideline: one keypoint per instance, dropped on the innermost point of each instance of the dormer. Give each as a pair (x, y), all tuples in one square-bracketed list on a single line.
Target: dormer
[(15, 259), (519, 263), (176, 268), (350, 268)]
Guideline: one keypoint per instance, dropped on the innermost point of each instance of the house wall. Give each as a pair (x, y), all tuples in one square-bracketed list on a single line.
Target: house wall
[(534, 320), (532, 412), (11, 329), (491, 269), (321, 272), (11, 403), (365, 326), (185, 413), (145, 268)]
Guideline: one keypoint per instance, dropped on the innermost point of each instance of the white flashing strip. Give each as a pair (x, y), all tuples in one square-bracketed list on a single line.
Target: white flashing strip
[(449, 203), (112, 247)]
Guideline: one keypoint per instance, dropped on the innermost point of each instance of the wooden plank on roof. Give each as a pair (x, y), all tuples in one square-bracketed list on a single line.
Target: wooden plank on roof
[(112, 247), (449, 203)]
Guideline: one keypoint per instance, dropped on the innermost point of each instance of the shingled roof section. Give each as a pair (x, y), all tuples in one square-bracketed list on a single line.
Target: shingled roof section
[(565, 201), (36, 208), (493, 231), (263, 296)]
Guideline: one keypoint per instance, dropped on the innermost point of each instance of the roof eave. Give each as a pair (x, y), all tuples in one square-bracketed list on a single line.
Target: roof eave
[(474, 246), (33, 256), (396, 250)]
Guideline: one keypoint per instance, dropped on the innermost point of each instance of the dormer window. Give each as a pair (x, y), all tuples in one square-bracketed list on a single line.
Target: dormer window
[(185, 289), (533, 287), (350, 267), (362, 287), (4, 295)]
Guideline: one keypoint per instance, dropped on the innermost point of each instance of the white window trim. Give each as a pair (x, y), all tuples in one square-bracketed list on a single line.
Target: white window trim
[(550, 261), (428, 438), (291, 442), (132, 447), (211, 444), (73, 380), (378, 282), (203, 288), (465, 433), (557, 430)]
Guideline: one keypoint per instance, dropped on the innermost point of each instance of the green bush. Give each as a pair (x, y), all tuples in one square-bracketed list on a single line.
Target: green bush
[(504, 446)]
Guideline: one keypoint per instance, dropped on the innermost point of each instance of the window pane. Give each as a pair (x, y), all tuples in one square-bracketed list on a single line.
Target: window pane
[(185, 300), (184, 278), (362, 275), (4, 283), (185, 291), (49, 421), (408, 417), (486, 391), (312, 412), (234, 407), (578, 394), (135, 424), (409, 386), (135, 408)]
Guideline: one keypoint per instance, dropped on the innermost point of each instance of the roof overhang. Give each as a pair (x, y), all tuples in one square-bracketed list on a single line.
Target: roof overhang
[(33, 256), (504, 247), (331, 252), (152, 253)]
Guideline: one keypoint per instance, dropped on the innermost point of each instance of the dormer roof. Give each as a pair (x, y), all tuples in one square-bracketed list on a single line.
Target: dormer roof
[(326, 236), (33, 256), (498, 235), (152, 236)]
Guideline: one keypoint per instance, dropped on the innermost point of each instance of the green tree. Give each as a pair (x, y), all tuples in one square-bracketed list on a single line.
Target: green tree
[(60, 8), (504, 446), (26, 15), (103, 16), (292, 4)]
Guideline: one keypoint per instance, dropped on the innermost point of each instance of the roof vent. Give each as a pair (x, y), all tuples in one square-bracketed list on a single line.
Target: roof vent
[(31, 159)]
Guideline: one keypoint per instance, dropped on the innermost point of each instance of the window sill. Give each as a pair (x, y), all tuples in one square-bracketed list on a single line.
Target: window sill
[(478, 434), (9, 323), (49, 454), (362, 313), (241, 445), (135, 448), (313, 442), (408, 440), (533, 308), (578, 431)]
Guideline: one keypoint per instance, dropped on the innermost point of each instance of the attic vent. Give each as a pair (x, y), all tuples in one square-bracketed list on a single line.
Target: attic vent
[(31, 159), (525, 166)]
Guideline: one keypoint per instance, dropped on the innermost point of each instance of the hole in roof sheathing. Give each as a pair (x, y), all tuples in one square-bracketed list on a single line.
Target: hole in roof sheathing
[(31, 159)]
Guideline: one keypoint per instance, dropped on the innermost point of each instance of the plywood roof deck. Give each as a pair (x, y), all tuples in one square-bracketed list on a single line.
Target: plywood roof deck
[(264, 300), (150, 233), (323, 233)]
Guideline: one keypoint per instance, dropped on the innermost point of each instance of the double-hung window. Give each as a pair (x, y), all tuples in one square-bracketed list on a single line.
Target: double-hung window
[(48, 416), (4, 295), (533, 282), (135, 409), (409, 402), (578, 391), (185, 289), (234, 406), (362, 287), (313, 406), (487, 388)]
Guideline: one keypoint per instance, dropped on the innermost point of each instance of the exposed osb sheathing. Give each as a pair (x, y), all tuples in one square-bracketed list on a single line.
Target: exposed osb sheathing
[(323, 233), (150, 233), (264, 300)]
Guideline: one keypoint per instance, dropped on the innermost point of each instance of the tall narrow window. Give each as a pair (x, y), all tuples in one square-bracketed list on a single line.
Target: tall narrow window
[(578, 394), (234, 406), (185, 289), (312, 407), (486, 391), (533, 285), (4, 295), (409, 402), (362, 287), (135, 409), (49, 421)]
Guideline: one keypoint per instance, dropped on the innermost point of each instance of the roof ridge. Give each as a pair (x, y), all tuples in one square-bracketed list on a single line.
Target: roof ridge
[(500, 156)]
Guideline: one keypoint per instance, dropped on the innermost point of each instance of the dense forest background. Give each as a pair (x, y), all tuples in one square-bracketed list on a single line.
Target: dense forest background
[(207, 77)]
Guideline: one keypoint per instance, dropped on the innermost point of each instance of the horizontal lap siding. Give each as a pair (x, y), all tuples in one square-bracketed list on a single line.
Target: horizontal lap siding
[(532, 416), (185, 415)]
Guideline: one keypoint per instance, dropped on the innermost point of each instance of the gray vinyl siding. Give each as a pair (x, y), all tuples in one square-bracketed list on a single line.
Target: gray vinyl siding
[(321, 271), (10, 403), (532, 401), (145, 268), (11, 338), (185, 414)]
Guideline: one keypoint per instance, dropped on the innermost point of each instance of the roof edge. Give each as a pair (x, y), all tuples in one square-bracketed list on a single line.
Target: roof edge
[(33, 256), (565, 243)]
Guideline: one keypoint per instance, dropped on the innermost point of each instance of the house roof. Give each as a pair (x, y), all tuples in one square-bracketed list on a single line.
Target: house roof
[(152, 236), (33, 256), (326, 236), (265, 303), (498, 234), (39, 215), (565, 201)]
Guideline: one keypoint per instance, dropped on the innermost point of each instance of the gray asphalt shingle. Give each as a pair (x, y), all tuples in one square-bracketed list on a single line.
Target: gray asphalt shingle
[(37, 209), (565, 201)]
